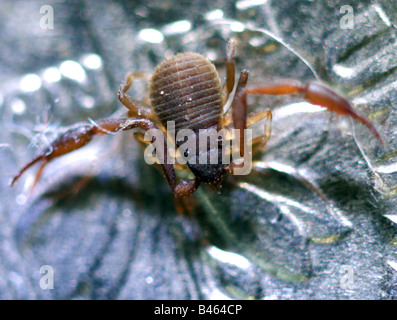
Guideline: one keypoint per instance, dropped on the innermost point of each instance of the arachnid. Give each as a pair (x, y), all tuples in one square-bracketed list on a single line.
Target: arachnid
[(186, 89)]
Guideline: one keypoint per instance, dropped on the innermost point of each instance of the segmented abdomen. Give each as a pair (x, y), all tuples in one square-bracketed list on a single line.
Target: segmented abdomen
[(186, 89)]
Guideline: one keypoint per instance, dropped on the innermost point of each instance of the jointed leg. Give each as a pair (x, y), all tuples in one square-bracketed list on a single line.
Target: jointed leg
[(230, 67), (230, 78), (136, 108), (315, 93), (77, 137), (240, 119), (140, 137), (258, 116), (239, 108), (259, 142), (240, 122)]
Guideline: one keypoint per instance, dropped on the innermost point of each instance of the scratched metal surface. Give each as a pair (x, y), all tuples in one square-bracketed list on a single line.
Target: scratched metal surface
[(315, 220)]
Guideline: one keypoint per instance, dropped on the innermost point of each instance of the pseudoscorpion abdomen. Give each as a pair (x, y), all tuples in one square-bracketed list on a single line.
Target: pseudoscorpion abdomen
[(186, 89)]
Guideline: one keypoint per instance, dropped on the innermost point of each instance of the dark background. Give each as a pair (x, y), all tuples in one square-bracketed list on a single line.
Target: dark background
[(316, 218)]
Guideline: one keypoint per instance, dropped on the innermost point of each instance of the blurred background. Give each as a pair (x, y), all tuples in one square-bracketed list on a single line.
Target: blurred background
[(316, 219)]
